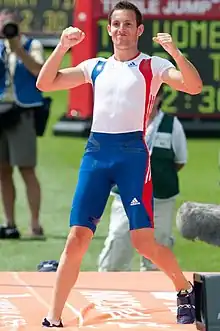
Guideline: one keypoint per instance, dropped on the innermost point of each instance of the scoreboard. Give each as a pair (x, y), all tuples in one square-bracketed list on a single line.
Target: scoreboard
[(43, 19), (199, 41), (194, 26)]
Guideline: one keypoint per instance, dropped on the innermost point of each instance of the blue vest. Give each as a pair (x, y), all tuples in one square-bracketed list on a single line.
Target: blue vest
[(26, 93)]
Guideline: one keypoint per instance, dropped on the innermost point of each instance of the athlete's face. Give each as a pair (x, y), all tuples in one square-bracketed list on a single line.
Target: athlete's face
[(124, 30)]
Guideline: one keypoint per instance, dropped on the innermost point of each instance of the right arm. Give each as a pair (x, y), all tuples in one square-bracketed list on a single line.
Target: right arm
[(51, 78)]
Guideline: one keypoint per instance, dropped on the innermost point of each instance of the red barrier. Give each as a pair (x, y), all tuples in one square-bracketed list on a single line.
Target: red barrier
[(80, 98)]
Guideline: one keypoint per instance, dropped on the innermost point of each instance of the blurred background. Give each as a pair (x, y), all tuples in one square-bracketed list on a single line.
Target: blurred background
[(195, 27)]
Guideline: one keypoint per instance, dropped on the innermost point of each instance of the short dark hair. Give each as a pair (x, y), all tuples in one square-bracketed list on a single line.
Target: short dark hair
[(128, 6)]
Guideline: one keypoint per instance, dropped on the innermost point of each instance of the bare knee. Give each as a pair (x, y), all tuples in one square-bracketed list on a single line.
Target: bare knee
[(6, 172), (143, 240), (78, 242)]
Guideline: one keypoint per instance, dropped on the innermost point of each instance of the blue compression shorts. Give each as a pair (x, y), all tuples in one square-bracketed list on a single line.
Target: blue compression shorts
[(114, 159)]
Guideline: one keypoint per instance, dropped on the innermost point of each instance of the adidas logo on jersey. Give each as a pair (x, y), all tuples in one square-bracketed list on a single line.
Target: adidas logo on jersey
[(132, 64), (134, 202)]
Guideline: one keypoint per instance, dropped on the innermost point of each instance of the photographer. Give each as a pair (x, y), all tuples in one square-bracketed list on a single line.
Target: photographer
[(21, 59)]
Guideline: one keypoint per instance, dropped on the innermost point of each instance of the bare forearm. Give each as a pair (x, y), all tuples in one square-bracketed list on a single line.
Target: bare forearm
[(28, 61), (191, 77), (179, 166), (51, 67)]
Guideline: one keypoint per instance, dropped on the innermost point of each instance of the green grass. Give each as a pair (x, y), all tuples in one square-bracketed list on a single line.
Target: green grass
[(58, 164)]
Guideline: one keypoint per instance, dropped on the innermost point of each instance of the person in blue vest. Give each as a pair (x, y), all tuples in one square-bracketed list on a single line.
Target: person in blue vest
[(167, 145), (21, 59)]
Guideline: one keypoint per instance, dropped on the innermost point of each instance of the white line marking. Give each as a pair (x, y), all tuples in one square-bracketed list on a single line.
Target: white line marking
[(14, 296), (77, 313), (31, 290), (43, 302)]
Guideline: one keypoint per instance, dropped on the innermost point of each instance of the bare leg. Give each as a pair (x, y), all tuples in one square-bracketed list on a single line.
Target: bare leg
[(69, 266), (164, 211), (143, 240), (33, 194), (8, 193)]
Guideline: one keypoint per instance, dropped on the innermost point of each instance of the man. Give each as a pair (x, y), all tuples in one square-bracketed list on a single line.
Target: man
[(167, 145), (116, 153), (21, 59)]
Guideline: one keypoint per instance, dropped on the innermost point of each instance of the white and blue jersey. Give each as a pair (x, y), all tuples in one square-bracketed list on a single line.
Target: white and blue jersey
[(116, 153), (124, 92)]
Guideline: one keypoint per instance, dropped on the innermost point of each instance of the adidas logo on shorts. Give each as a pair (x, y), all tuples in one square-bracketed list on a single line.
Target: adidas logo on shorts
[(134, 202)]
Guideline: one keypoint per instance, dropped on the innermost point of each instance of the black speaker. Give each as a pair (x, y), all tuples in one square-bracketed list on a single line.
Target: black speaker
[(207, 301)]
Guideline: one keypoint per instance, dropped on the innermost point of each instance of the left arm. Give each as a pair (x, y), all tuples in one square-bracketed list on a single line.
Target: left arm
[(33, 61), (179, 166), (187, 78), (179, 144)]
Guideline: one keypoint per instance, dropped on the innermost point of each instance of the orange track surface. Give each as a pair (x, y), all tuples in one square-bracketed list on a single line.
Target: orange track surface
[(99, 301)]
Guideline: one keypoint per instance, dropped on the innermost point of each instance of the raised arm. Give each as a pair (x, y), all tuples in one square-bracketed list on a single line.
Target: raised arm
[(51, 77), (32, 60), (187, 78)]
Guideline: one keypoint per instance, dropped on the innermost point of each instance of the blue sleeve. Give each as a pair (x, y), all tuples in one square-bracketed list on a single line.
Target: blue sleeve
[(87, 67)]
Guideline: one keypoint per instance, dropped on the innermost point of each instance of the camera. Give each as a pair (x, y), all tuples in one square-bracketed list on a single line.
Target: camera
[(8, 24), (9, 29)]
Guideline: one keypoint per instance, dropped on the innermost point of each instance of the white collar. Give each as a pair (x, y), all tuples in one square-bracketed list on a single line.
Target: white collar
[(112, 58)]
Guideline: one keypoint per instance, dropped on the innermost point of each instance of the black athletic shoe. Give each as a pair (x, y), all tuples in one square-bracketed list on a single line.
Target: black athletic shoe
[(48, 324), (186, 307), (8, 232)]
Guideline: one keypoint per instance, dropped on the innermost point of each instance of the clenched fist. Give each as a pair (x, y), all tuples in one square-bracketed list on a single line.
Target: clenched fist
[(166, 41), (71, 37)]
